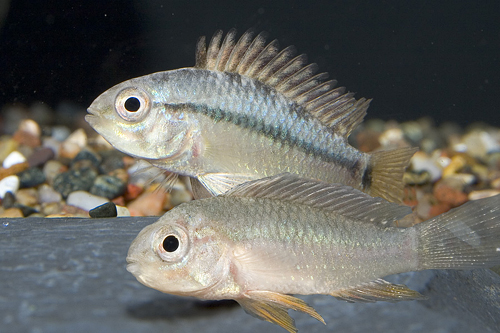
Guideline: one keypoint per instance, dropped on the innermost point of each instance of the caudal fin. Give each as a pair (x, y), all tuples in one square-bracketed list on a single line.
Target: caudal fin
[(463, 238), (385, 174)]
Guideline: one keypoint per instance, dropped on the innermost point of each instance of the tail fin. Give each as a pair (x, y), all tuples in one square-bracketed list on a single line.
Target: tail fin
[(385, 174), (464, 238)]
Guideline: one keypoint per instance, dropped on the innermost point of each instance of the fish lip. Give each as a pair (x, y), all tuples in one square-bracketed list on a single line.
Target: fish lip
[(132, 266), (131, 260), (89, 110)]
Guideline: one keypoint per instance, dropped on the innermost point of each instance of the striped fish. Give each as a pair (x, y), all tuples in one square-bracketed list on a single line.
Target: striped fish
[(245, 111)]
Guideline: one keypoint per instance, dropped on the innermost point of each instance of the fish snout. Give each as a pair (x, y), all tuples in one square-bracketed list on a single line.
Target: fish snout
[(133, 268)]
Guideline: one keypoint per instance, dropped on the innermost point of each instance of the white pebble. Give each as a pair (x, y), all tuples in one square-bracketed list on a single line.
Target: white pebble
[(73, 144), (31, 127), (47, 194), (391, 137), (421, 162), (51, 169), (85, 200), (480, 143), (12, 159), (78, 138), (9, 184), (122, 211), (481, 194)]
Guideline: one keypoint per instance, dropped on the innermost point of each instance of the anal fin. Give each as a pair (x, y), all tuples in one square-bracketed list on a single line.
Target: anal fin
[(273, 307), (378, 290)]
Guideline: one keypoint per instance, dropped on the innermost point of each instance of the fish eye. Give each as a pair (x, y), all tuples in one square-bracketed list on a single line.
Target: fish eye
[(132, 104), (172, 243)]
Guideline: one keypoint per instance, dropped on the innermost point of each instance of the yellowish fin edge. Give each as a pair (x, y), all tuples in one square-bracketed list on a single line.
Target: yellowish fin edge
[(386, 172), (273, 307)]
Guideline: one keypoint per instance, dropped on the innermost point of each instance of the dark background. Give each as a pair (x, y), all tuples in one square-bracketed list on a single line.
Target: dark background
[(414, 58)]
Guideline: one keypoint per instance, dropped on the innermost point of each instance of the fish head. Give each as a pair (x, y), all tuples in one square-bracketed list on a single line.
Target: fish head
[(137, 118), (176, 257)]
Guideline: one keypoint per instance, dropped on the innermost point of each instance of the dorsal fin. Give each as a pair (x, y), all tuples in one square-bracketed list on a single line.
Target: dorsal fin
[(339, 198), (288, 74)]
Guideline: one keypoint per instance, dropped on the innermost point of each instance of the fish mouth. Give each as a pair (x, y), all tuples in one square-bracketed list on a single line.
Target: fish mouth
[(91, 119), (93, 110), (131, 260), (132, 266)]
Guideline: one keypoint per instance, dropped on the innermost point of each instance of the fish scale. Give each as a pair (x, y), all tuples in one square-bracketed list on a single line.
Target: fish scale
[(228, 100), (246, 111)]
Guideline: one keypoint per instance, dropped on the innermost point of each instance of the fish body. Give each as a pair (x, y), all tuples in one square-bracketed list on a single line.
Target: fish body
[(284, 235), (244, 112)]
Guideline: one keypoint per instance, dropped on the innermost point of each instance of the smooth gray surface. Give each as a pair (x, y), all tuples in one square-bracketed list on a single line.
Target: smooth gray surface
[(68, 275)]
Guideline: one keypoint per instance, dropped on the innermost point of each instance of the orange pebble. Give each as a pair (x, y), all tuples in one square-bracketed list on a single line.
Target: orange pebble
[(132, 192), (438, 209), (128, 161), (148, 204), (119, 201), (16, 168), (449, 195), (410, 196), (27, 139)]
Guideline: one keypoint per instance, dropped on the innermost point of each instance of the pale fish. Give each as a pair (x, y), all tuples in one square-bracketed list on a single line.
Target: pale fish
[(245, 111), (266, 239)]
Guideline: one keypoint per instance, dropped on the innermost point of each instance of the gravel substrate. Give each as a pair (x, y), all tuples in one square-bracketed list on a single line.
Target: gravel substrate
[(54, 170), (64, 169)]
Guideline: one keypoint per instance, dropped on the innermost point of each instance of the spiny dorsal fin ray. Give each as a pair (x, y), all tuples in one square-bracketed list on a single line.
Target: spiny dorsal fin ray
[(263, 58), (238, 52), (213, 50), (225, 50), (201, 53), (252, 51), (339, 198), (273, 307), (378, 290), (295, 80), (286, 73)]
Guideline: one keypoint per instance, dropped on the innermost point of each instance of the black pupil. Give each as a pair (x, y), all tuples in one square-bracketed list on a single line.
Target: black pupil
[(132, 104), (170, 243)]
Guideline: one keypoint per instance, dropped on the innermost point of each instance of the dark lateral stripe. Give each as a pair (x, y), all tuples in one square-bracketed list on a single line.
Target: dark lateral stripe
[(366, 180), (277, 133)]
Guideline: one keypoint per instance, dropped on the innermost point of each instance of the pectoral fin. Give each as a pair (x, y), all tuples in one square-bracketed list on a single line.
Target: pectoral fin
[(218, 183), (378, 290), (273, 307)]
